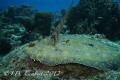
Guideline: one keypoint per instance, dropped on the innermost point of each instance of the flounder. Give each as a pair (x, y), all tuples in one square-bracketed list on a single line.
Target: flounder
[(98, 53)]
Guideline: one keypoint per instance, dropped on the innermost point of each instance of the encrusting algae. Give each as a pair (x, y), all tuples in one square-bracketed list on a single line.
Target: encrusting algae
[(31, 44), (40, 38)]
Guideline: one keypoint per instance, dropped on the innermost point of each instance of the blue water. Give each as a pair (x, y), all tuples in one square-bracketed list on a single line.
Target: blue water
[(41, 5)]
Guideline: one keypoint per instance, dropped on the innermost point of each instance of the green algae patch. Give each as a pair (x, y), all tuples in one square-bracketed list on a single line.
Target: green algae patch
[(82, 49)]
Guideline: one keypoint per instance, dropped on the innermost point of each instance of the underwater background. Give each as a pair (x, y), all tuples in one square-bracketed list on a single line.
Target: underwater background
[(41, 5), (26, 25)]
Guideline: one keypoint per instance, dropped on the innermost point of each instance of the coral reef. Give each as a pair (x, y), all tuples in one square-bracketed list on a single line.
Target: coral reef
[(90, 17), (63, 12), (27, 22), (43, 22), (12, 33), (29, 36), (39, 23), (5, 47), (12, 13), (10, 37)]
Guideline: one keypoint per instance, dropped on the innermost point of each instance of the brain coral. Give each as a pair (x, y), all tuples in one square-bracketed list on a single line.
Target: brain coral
[(98, 53)]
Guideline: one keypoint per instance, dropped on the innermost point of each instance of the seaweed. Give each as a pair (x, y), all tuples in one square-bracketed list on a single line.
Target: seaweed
[(55, 35)]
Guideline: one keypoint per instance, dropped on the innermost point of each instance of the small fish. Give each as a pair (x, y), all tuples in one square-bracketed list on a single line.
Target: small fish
[(100, 17), (27, 6), (30, 6)]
